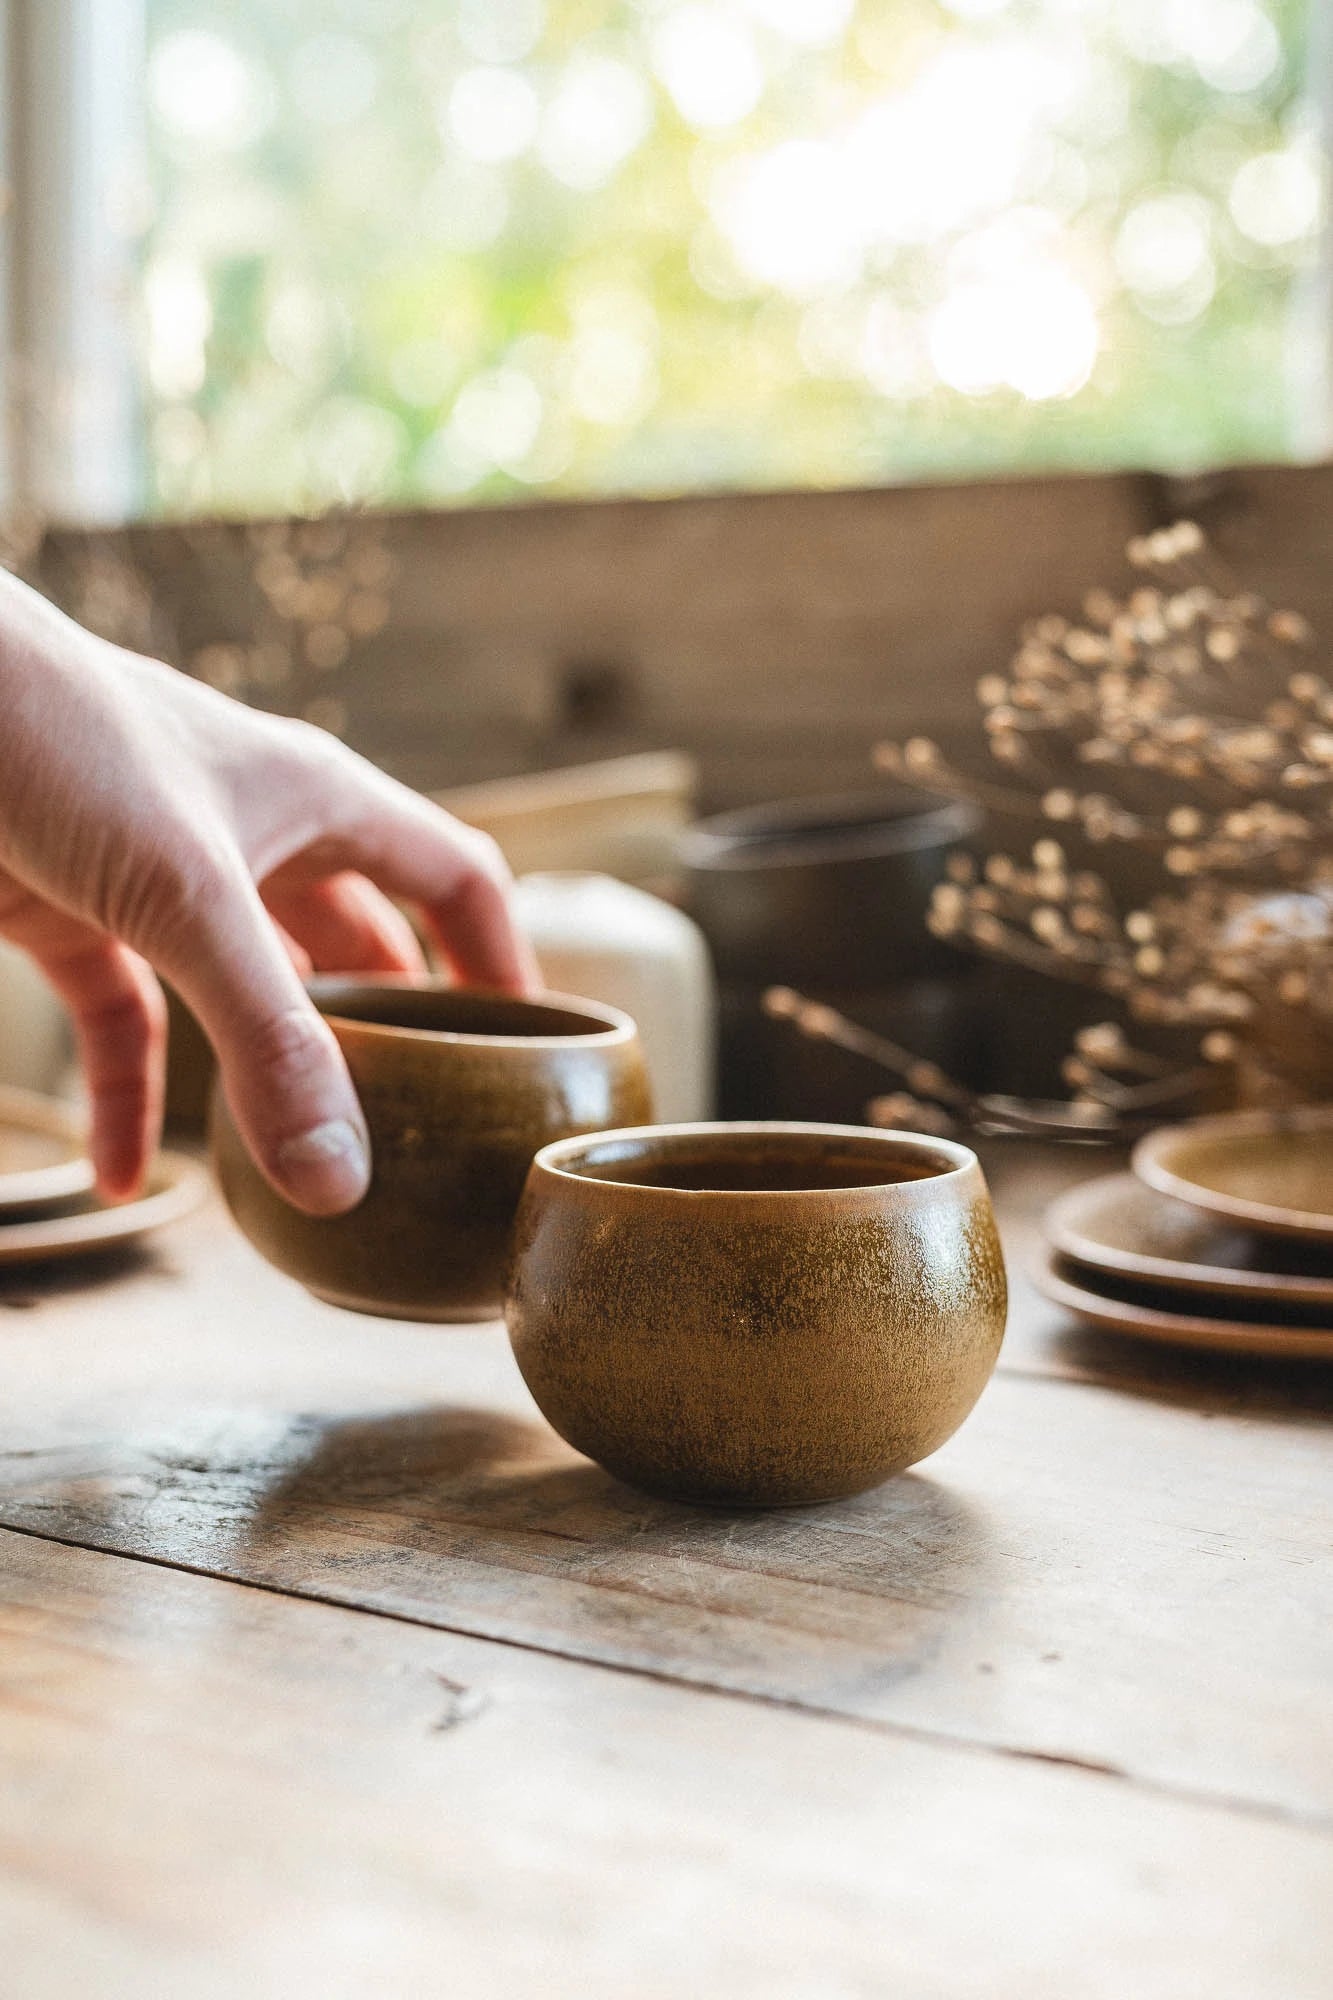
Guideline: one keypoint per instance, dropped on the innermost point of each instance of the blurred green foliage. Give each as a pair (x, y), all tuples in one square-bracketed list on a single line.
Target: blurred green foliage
[(435, 250)]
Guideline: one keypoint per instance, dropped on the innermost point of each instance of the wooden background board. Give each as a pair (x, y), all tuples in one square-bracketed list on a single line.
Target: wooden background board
[(778, 636), (1102, 1570), (210, 1791)]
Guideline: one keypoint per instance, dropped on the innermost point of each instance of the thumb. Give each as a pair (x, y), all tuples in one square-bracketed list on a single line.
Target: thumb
[(282, 1070)]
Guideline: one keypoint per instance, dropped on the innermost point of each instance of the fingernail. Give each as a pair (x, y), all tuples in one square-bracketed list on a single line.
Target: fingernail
[(326, 1169)]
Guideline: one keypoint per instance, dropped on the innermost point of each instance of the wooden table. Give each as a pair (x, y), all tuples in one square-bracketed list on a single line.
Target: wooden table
[(326, 1670)]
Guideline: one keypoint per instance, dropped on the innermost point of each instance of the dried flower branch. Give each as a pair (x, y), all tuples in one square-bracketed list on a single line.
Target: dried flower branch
[(936, 1102), (1207, 721), (1200, 704)]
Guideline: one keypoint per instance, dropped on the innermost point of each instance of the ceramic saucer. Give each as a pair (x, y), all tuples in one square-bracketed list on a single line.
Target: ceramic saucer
[(43, 1166), (1115, 1225), (1266, 1170), (1149, 1314), (175, 1186)]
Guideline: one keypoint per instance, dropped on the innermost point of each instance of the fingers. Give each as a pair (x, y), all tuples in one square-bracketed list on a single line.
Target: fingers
[(459, 879), (297, 953), (345, 924), (475, 929), (282, 1071), (418, 852), (121, 1022)]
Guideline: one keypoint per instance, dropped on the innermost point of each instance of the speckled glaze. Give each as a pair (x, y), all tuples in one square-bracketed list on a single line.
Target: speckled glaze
[(459, 1089), (818, 1309)]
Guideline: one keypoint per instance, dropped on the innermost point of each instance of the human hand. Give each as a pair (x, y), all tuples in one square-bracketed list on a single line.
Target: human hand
[(147, 821)]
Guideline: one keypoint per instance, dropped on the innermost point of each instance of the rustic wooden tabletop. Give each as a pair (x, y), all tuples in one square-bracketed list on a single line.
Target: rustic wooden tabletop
[(326, 1669)]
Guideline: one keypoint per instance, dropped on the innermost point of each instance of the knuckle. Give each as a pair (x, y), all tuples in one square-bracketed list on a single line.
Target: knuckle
[(296, 735), (485, 860), (312, 750), (291, 1049), (158, 899)]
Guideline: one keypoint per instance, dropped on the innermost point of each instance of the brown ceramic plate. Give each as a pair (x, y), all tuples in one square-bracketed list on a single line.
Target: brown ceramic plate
[(1266, 1170), (1117, 1226), (1148, 1314), (43, 1166), (175, 1186)]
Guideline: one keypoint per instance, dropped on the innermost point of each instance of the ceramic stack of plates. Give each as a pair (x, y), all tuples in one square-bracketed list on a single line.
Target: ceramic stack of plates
[(1221, 1237), (49, 1209)]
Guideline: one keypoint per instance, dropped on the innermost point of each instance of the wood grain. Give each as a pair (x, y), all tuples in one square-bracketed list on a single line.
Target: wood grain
[(1117, 1570), (777, 636), (209, 1791)]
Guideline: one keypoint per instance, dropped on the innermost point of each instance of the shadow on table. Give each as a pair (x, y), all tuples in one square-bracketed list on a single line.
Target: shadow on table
[(1234, 1384), (505, 1470), (405, 1456), (431, 1504), (25, 1287)]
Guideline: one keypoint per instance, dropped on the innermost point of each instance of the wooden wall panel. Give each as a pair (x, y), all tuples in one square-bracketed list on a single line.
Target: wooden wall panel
[(776, 635)]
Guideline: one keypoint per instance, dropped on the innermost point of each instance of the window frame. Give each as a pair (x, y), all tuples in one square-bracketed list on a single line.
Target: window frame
[(71, 133)]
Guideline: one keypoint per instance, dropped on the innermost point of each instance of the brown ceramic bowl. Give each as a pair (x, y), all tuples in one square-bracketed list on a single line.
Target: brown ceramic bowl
[(460, 1088), (756, 1315)]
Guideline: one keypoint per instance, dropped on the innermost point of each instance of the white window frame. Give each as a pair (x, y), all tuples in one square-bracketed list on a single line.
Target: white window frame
[(1313, 307), (71, 130)]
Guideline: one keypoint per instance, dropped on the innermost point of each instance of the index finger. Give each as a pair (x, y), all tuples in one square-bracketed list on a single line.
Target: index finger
[(455, 875)]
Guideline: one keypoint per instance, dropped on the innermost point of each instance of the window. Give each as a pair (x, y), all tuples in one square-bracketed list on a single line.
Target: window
[(427, 251)]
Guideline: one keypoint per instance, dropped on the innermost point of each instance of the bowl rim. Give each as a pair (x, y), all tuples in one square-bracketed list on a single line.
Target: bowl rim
[(1155, 1162), (617, 1028), (783, 834), (554, 1158)]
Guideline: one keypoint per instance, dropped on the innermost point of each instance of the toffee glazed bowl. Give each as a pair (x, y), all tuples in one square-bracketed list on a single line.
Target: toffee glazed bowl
[(460, 1088), (756, 1315)]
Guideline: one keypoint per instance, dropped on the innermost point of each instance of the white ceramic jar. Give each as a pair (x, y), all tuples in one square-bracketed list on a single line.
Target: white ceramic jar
[(34, 1030), (602, 939)]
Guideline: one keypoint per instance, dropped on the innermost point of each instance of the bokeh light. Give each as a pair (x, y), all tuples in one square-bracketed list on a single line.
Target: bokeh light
[(205, 94), (1035, 333), (789, 220), (1163, 253), (180, 319), (1278, 198), (707, 59), (492, 113), (599, 111), (813, 24), (453, 251)]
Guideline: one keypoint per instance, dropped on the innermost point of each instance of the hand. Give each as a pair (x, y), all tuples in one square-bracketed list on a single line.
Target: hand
[(148, 821)]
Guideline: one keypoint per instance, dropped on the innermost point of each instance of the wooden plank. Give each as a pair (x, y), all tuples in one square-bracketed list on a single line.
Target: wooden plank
[(1138, 1581), (209, 1791), (777, 636)]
